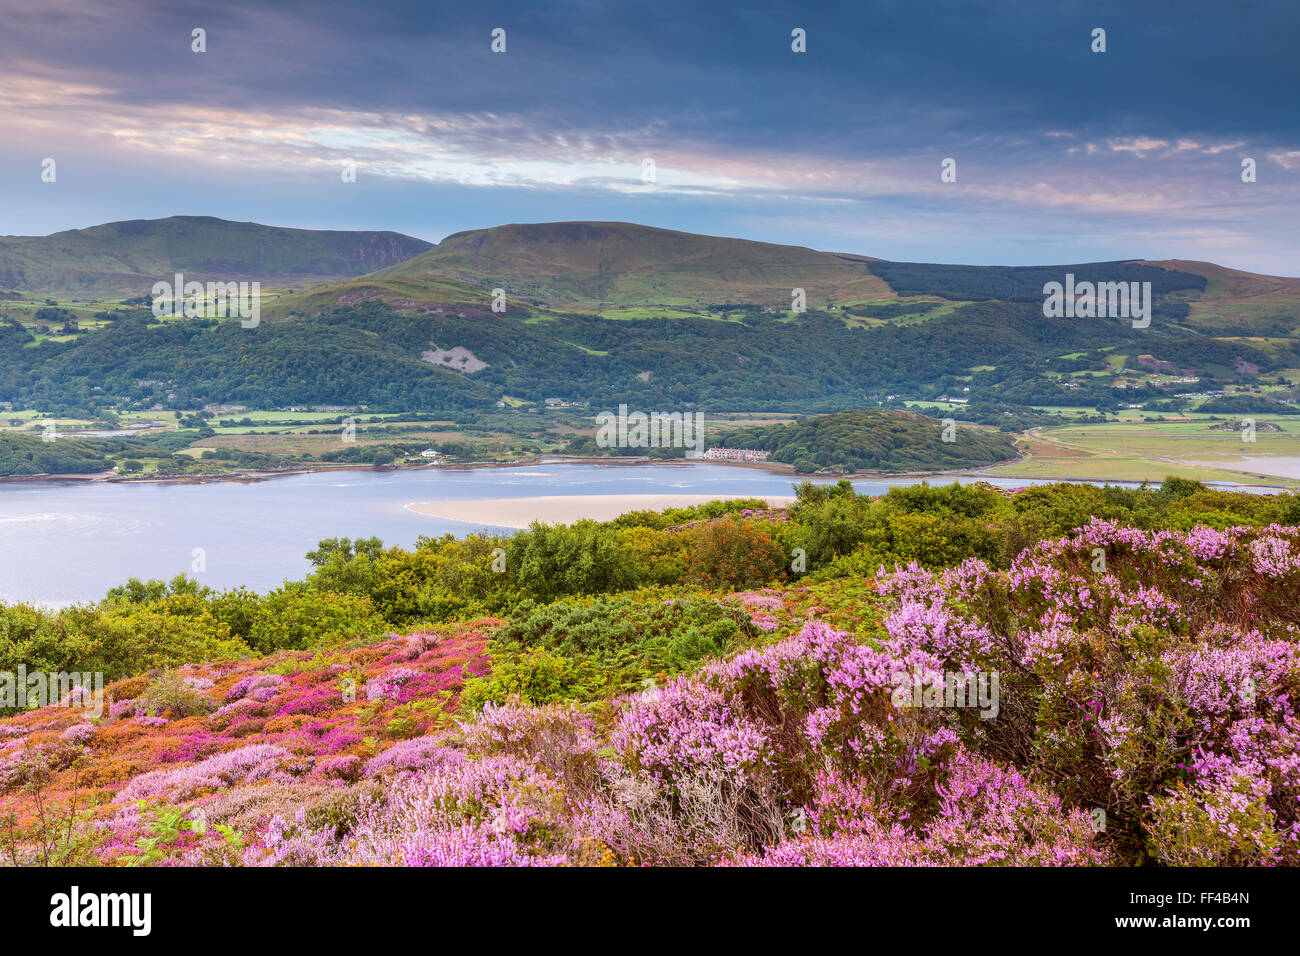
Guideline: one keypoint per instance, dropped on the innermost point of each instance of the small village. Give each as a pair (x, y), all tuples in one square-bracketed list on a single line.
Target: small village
[(735, 454)]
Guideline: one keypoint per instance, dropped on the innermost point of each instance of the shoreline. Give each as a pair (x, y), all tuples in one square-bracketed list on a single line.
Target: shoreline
[(254, 475), (519, 513)]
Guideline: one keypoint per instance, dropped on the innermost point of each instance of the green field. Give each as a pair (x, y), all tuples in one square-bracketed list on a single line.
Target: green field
[(1150, 450)]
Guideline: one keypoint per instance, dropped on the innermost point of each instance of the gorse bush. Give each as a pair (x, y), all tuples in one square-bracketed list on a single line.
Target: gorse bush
[(730, 555), (605, 647)]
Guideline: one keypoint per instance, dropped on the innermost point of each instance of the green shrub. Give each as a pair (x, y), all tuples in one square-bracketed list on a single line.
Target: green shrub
[(614, 644), (170, 696), (296, 617), (117, 640), (535, 676), (550, 561), (1230, 827)]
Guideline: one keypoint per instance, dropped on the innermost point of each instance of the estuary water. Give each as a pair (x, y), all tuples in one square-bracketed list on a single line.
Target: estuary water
[(66, 542)]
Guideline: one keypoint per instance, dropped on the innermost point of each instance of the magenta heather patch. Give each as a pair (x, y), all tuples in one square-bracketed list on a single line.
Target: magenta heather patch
[(194, 747), (320, 699)]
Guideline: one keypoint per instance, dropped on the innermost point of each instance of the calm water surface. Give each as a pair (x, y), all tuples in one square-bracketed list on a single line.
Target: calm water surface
[(67, 542)]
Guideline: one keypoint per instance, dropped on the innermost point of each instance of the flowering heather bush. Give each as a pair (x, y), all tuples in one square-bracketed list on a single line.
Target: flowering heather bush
[(1152, 674), (401, 684), (244, 765), (253, 683), (125, 708), (195, 747), (987, 816), (559, 738), (745, 738), (419, 755), (321, 699), (296, 747), (482, 813), (348, 767), (79, 733), (769, 600)]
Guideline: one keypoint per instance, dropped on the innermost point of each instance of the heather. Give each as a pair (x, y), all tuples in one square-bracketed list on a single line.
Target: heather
[(630, 711)]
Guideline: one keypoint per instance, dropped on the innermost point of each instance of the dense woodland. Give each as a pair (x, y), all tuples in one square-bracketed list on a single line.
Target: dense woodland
[(371, 355), (873, 440), (30, 455), (1023, 283)]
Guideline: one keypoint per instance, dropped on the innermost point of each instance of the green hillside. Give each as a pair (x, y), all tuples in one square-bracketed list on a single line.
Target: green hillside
[(126, 258), (874, 440), (613, 312), (568, 264)]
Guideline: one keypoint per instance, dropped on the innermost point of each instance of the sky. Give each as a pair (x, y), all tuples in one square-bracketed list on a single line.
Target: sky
[(1061, 154)]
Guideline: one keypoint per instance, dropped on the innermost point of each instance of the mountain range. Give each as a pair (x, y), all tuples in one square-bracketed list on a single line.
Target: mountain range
[(607, 311), (579, 266)]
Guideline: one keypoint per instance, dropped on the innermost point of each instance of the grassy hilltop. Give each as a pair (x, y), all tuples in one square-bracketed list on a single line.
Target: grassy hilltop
[(126, 258)]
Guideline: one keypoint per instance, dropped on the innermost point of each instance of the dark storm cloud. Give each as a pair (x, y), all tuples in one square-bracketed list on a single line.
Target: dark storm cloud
[(885, 76), (1063, 153)]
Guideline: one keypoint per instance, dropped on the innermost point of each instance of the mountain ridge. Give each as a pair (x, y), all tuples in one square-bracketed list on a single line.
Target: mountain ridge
[(126, 257), (581, 265)]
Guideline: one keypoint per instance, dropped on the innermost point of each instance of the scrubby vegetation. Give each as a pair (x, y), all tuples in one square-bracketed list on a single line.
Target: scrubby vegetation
[(724, 685)]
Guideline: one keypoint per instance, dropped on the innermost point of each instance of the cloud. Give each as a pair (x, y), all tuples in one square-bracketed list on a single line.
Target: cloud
[(737, 125)]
